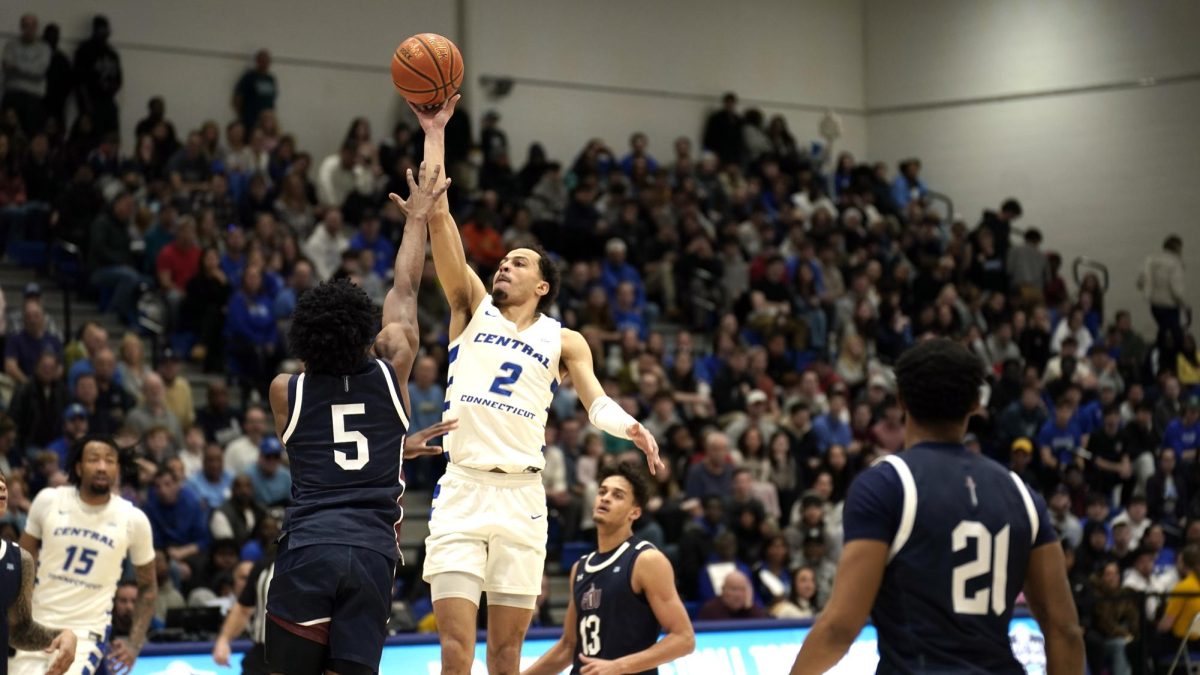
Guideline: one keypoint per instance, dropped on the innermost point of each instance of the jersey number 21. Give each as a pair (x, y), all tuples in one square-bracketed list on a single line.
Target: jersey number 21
[(991, 556)]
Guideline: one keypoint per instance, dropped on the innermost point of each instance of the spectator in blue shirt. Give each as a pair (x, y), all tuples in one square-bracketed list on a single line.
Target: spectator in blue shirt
[(75, 427), (908, 185), (233, 260), (369, 238), (272, 482), (1091, 415), (712, 477), (626, 314), (615, 269), (300, 281), (252, 333), (22, 351), (1183, 433), (829, 428), (1060, 436), (426, 397), (212, 484), (177, 519), (637, 151)]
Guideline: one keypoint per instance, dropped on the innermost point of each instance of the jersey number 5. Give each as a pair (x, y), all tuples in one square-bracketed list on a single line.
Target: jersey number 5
[(340, 435), (589, 635), (991, 556)]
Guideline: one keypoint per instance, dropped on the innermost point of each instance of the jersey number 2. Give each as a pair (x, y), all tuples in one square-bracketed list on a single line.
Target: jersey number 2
[(503, 383), (991, 556), (589, 635), (340, 435)]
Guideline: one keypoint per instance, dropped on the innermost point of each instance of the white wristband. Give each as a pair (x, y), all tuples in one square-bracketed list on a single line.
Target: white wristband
[(608, 416)]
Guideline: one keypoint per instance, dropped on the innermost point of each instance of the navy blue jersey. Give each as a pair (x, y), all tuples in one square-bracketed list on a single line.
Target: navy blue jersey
[(10, 588), (344, 440), (614, 621), (961, 528)]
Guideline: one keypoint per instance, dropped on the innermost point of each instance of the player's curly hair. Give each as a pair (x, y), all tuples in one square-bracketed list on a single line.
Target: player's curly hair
[(332, 327), (632, 472), (939, 381)]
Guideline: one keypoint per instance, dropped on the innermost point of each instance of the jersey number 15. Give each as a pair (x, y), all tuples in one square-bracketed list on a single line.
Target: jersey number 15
[(991, 556)]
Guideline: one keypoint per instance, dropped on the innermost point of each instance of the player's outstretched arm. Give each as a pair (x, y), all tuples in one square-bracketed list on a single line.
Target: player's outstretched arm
[(654, 577), (464, 290), (1049, 598), (859, 575), (560, 656), (25, 633), (604, 413), (399, 339), (235, 624)]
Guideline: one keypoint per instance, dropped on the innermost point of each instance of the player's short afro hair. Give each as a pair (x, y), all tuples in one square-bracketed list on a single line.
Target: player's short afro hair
[(939, 381), (633, 473), (332, 327)]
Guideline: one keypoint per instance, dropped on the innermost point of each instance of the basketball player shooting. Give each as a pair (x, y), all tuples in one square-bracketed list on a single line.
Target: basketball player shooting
[(344, 427), (507, 357)]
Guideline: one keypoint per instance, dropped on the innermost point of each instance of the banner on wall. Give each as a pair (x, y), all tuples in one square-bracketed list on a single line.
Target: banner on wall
[(728, 652)]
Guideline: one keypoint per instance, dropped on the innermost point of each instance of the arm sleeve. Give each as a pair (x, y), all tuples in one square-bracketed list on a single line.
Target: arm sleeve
[(872, 509), (141, 539), (37, 513)]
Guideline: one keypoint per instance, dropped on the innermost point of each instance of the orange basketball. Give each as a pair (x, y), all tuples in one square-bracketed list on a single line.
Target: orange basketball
[(427, 69)]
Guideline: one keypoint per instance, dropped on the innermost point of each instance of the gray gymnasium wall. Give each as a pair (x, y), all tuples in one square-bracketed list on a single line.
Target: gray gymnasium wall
[(1040, 100), (581, 69)]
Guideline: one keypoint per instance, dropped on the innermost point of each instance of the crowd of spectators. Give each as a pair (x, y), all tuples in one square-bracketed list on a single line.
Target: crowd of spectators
[(744, 299)]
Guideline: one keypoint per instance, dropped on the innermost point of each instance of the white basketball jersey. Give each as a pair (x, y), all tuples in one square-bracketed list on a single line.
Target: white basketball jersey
[(82, 554), (500, 385)]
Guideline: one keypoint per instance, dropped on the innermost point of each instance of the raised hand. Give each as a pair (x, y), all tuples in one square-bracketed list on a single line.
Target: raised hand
[(644, 440), (417, 444), (421, 198), (434, 118)]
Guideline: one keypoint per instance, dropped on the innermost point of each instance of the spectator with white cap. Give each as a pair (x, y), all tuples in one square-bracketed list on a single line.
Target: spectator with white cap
[(758, 415)]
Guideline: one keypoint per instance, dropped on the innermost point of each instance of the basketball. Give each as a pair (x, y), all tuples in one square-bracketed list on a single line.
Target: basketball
[(427, 69)]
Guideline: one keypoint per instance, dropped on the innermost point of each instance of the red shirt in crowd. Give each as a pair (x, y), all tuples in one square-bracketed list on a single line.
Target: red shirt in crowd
[(180, 262)]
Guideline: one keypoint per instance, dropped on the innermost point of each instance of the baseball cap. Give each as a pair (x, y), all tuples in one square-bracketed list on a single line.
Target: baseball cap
[(814, 534), (1192, 403), (271, 446), (811, 498), (169, 354), (970, 438), (756, 396), (33, 289), (881, 382), (1022, 445), (74, 412)]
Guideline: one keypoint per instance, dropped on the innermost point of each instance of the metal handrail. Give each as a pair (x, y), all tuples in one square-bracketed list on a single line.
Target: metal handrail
[(1094, 265)]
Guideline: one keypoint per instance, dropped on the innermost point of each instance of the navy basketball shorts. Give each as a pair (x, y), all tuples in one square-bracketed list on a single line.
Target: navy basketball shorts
[(347, 588)]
